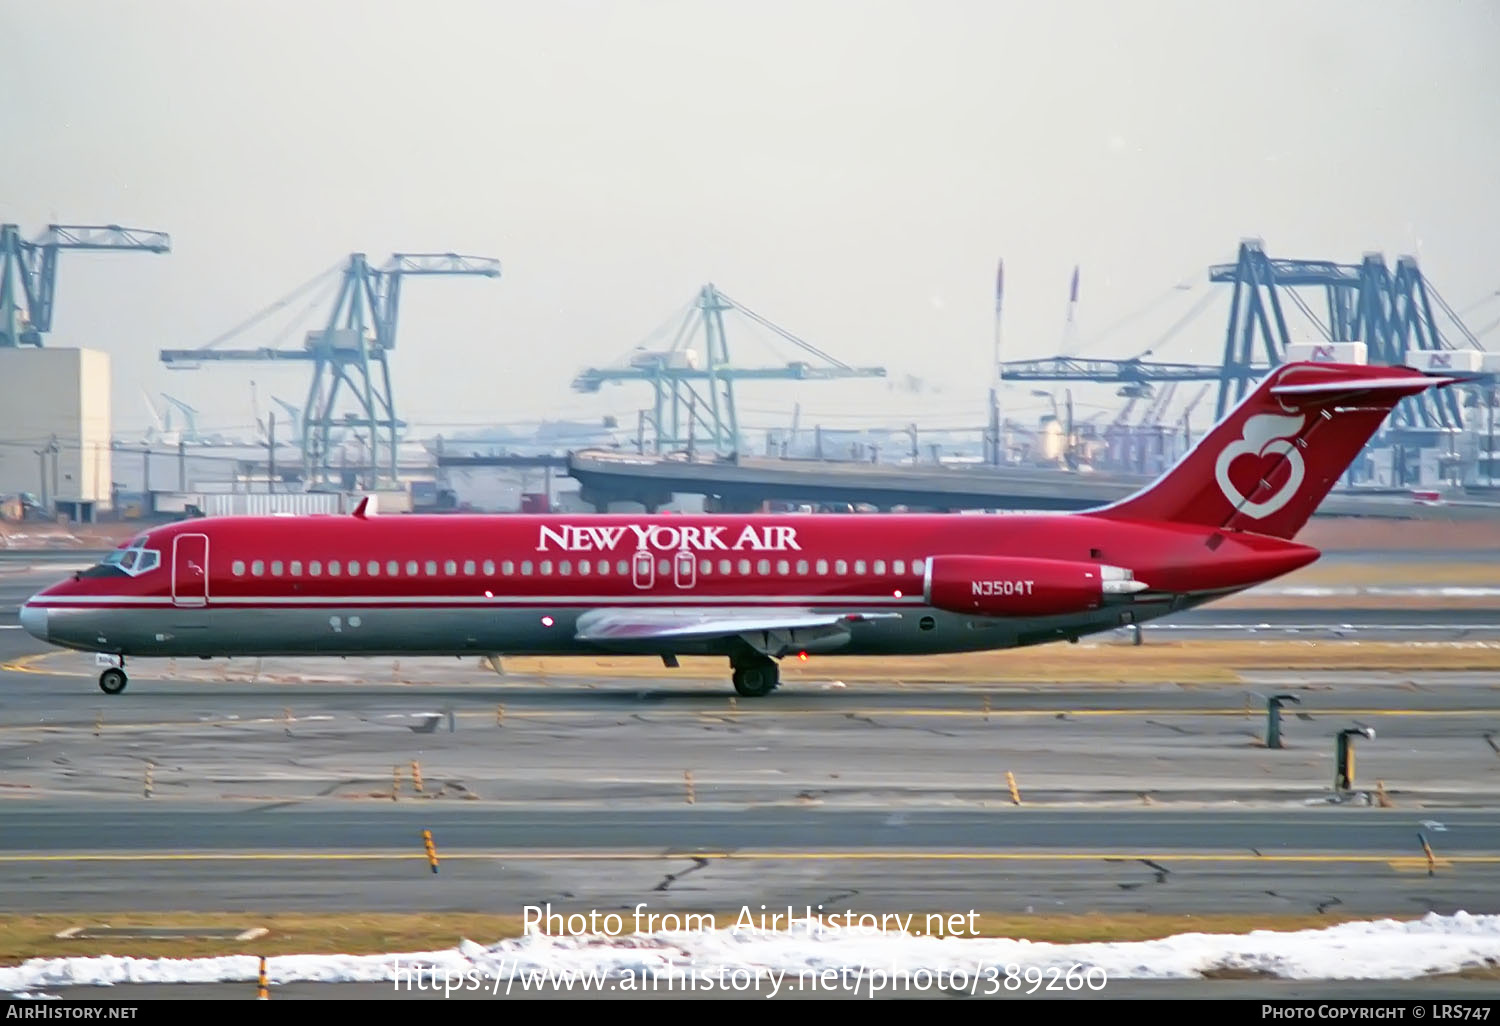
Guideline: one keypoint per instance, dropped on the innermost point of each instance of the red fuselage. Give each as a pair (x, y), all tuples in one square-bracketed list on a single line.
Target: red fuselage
[(518, 584)]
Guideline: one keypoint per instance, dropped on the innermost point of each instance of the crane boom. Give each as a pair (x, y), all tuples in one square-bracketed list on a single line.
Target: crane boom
[(28, 271), (351, 379)]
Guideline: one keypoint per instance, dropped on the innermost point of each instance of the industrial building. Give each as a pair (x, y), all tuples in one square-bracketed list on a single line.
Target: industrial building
[(55, 426)]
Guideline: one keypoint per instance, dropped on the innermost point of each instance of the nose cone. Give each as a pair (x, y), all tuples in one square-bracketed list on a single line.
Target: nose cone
[(34, 619)]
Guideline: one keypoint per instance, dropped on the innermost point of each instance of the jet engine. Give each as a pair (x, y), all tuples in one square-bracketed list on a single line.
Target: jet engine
[(1010, 586)]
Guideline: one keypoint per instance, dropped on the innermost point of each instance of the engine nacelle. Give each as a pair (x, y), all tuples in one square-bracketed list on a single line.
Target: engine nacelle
[(1010, 586)]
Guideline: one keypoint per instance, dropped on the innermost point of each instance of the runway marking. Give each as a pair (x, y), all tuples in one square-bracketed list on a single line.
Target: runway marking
[(25, 665), (1394, 861)]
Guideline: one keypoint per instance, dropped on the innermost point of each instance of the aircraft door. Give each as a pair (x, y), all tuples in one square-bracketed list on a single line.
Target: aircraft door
[(685, 569), (643, 569), (190, 570)]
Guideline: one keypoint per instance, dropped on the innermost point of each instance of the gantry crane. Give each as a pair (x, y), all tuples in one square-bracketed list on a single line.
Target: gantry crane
[(350, 350), (679, 411), (28, 271), (189, 433), (1391, 311)]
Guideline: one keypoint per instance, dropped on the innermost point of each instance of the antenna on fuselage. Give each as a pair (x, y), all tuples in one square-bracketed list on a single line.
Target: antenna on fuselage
[(366, 507)]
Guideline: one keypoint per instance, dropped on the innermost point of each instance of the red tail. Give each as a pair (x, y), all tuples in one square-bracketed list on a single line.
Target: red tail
[(1271, 461)]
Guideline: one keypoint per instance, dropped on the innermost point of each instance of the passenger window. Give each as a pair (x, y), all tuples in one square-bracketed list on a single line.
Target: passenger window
[(525, 568), (763, 567), (237, 568), (706, 567), (296, 568), (489, 568), (373, 568), (431, 568), (802, 566), (744, 568), (450, 567), (315, 568), (507, 568), (898, 566), (783, 567), (604, 566), (822, 567), (275, 568), (725, 567), (468, 568), (663, 567), (622, 567), (412, 568), (353, 568), (565, 568), (393, 568), (859, 567), (840, 567), (257, 568), (916, 566), (879, 567), (585, 567), (545, 568), (335, 568)]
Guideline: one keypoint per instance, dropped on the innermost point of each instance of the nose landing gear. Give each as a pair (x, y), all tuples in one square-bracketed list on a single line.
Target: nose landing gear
[(113, 680)]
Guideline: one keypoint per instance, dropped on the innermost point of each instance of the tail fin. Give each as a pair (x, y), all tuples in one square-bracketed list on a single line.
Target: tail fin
[(1272, 460)]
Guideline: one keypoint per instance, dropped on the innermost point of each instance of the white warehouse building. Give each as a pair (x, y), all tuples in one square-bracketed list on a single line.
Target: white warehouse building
[(55, 428)]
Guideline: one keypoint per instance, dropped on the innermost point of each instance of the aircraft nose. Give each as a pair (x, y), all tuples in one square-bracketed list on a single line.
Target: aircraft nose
[(34, 619)]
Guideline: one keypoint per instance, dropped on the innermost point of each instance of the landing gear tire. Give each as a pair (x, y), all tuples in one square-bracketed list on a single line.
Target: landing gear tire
[(112, 681), (757, 679)]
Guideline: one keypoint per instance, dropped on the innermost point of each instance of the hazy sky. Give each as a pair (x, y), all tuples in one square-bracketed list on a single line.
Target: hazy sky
[(852, 170)]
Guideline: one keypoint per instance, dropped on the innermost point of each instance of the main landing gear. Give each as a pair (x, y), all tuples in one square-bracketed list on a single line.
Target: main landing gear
[(755, 676), (113, 680)]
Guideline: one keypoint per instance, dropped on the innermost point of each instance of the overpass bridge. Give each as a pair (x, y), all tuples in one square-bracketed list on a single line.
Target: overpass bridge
[(743, 485)]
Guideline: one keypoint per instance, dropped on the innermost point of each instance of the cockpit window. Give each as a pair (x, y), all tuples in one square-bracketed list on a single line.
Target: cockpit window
[(131, 561)]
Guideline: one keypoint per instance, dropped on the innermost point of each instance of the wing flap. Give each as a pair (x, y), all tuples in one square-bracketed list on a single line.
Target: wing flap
[(664, 624)]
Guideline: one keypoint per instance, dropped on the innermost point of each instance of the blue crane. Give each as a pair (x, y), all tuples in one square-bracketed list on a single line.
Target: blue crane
[(1391, 310), (189, 414), (348, 356), (28, 271), (679, 409)]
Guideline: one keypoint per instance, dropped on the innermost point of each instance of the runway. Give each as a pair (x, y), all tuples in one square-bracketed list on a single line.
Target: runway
[(1157, 799)]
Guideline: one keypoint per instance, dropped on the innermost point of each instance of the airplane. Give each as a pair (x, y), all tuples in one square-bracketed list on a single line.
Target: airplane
[(755, 588)]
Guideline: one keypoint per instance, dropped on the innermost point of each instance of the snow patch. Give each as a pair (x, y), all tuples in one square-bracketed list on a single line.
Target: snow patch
[(1378, 949)]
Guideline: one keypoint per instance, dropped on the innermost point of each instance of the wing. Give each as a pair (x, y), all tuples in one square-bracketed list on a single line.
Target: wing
[(774, 630)]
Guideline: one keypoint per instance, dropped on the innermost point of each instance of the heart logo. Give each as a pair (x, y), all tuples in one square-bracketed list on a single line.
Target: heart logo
[(1265, 435)]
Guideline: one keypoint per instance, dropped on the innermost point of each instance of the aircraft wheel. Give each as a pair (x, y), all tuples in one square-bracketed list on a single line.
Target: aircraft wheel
[(756, 680), (112, 681)]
